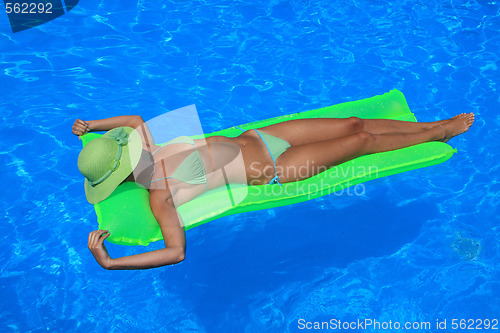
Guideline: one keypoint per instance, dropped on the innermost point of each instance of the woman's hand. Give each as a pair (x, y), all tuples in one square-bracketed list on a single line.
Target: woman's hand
[(80, 127), (96, 246)]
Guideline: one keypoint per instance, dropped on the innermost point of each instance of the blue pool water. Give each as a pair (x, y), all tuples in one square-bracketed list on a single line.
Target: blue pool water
[(420, 246)]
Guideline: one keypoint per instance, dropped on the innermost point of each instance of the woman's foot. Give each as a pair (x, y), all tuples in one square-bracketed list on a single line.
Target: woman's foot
[(456, 125), (442, 122)]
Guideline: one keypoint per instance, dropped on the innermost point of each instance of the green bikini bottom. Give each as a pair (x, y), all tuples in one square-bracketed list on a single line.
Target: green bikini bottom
[(276, 146)]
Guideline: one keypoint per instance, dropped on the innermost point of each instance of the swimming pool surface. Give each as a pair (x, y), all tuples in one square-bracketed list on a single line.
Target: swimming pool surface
[(415, 247)]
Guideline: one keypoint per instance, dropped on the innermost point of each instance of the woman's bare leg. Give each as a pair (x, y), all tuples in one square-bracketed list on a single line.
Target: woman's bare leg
[(304, 131), (304, 161), (381, 126)]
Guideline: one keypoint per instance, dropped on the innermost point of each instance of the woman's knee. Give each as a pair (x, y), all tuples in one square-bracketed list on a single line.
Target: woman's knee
[(357, 124), (365, 139)]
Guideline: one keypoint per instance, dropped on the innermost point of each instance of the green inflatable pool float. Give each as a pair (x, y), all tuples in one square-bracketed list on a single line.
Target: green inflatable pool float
[(127, 213)]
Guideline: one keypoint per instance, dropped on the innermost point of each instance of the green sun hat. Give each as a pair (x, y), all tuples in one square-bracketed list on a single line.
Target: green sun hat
[(107, 161)]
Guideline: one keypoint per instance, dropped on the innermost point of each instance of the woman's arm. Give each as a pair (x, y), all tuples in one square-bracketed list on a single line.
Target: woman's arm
[(114, 122), (173, 235), (152, 259), (81, 127)]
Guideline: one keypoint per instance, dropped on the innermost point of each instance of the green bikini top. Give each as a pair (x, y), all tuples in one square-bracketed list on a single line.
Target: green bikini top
[(191, 170)]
